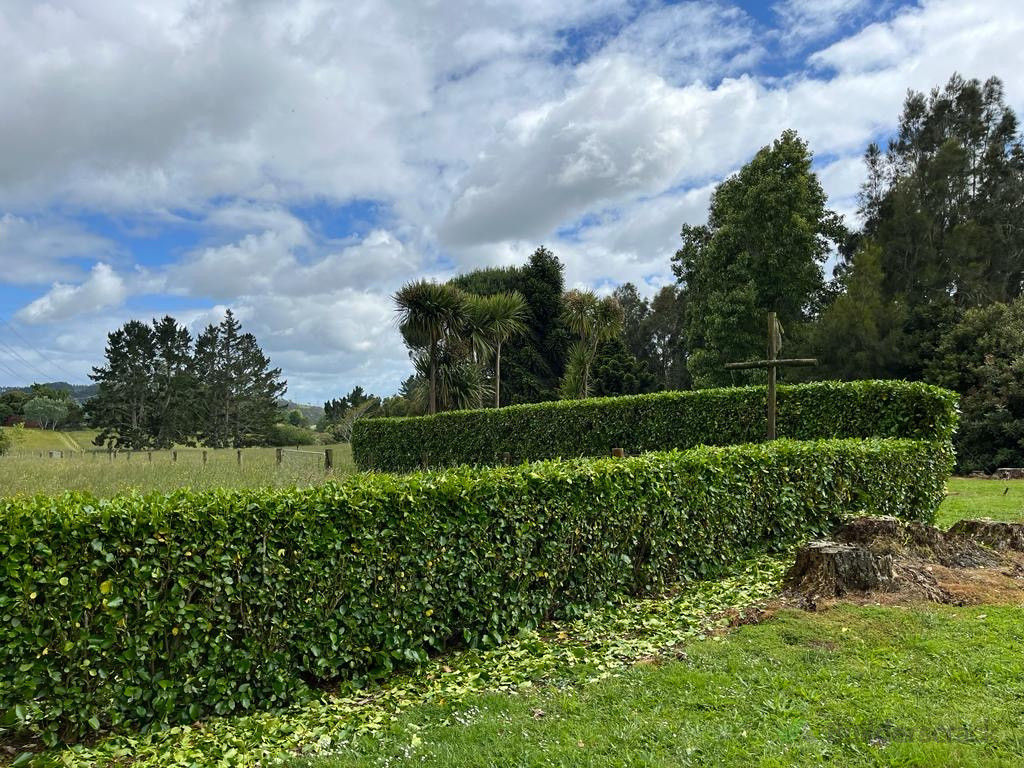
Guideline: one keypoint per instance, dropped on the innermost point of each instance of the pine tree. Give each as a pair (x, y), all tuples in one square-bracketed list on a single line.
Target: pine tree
[(239, 391), (122, 408)]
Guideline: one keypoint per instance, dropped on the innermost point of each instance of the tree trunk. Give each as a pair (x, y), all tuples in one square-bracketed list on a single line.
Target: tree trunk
[(497, 376), (432, 406), (829, 569)]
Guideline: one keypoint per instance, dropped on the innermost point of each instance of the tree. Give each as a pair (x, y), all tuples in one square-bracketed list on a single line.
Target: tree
[(173, 384), (859, 336), (122, 406), (493, 320), (297, 418), (429, 314), (618, 372), (532, 362), (666, 328), (767, 236), (239, 391), (48, 412), (982, 358), (591, 320)]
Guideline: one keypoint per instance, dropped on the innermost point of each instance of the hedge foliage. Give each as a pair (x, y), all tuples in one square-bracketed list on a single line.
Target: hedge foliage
[(173, 607), (656, 422)]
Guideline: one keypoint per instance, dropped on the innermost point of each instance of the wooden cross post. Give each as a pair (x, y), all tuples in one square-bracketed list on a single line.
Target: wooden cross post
[(772, 364)]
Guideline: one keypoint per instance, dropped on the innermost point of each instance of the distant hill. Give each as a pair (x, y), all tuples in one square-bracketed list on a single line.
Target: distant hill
[(79, 392), (312, 412)]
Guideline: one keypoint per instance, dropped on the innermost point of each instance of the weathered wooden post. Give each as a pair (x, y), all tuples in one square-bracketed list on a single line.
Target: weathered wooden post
[(772, 365), (238, 456), (128, 455), (279, 456), (150, 456), (204, 457), (328, 460), (174, 456)]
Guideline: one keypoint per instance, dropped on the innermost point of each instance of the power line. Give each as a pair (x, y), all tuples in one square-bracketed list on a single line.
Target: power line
[(49, 362)]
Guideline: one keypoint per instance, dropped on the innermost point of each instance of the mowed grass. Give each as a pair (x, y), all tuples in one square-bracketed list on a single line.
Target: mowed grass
[(971, 497), (25, 472), (856, 686), (32, 441)]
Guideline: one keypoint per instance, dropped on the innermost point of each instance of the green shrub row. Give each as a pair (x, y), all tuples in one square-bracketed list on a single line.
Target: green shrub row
[(656, 422), (174, 607)]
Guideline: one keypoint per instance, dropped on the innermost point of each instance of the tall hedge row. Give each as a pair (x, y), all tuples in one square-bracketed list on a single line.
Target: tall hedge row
[(656, 422), (174, 607)]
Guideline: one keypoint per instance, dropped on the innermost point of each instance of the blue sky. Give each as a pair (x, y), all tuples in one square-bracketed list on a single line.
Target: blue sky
[(298, 162)]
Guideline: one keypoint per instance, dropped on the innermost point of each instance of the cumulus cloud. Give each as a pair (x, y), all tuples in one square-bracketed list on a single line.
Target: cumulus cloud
[(37, 251), (482, 129), (102, 289)]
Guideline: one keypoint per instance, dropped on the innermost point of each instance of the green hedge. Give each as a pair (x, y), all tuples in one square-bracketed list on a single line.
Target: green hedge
[(657, 422), (172, 608)]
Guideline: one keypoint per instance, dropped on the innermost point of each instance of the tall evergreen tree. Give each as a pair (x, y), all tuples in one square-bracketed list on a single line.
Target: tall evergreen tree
[(239, 391), (175, 406), (123, 406), (767, 236)]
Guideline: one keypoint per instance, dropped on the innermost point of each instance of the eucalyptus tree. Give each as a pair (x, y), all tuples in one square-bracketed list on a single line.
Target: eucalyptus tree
[(591, 320), (492, 321), (430, 314)]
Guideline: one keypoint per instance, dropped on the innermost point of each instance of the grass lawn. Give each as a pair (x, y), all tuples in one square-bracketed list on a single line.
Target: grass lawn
[(850, 687), (969, 497), (31, 441)]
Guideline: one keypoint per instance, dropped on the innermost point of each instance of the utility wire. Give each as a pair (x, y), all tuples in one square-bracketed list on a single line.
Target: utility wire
[(54, 365)]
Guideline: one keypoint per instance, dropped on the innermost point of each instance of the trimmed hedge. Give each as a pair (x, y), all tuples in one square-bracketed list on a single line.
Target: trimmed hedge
[(171, 608), (657, 422)]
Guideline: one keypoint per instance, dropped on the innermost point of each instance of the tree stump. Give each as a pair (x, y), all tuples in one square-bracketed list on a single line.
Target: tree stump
[(992, 533), (831, 569)]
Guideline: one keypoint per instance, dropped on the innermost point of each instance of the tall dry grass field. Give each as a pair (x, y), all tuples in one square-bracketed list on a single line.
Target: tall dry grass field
[(24, 471)]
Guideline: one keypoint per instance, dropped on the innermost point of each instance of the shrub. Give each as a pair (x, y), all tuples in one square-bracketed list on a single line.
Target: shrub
[(283, 433), (174, 607), (654, 422)]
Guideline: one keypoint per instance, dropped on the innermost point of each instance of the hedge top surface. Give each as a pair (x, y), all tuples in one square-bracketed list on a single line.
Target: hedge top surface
[(660, 421)]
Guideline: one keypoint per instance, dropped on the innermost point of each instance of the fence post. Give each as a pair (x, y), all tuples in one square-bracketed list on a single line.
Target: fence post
[(506, 458), (204, 457), (238, 456), (150, 456), (618, 453), (128, 455), (174, 456), (328, 459), (279, 456)]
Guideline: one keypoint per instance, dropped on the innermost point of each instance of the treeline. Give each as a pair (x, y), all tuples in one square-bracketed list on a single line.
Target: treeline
[(928, 289), (159, 387), (46, 406)]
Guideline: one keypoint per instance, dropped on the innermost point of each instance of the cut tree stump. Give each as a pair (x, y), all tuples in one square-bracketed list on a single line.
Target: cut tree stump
[(831, 569), (993, 533)]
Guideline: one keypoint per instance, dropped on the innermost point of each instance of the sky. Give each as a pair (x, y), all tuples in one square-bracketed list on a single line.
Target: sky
[(299, 161)]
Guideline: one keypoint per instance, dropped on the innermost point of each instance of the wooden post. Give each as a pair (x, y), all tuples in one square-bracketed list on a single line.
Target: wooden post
[(110, 455), (773, 354), (174, 456), (150, 456), (128, 455), (507, 458), (238, 456), (771, 365), (279, 456), (328, 460), (618, 453), (204, 457)]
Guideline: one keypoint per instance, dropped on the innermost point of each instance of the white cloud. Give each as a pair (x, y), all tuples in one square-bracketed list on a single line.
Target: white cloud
[(482, 129), (40, 251), (102, 289)]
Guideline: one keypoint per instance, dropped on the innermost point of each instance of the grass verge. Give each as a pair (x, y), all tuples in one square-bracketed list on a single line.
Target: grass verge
[(860, 686), (968, 497)]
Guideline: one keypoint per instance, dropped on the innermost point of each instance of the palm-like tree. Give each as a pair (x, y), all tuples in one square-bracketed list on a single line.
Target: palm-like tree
[(428, 314), (493, 320), (593, 320)]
